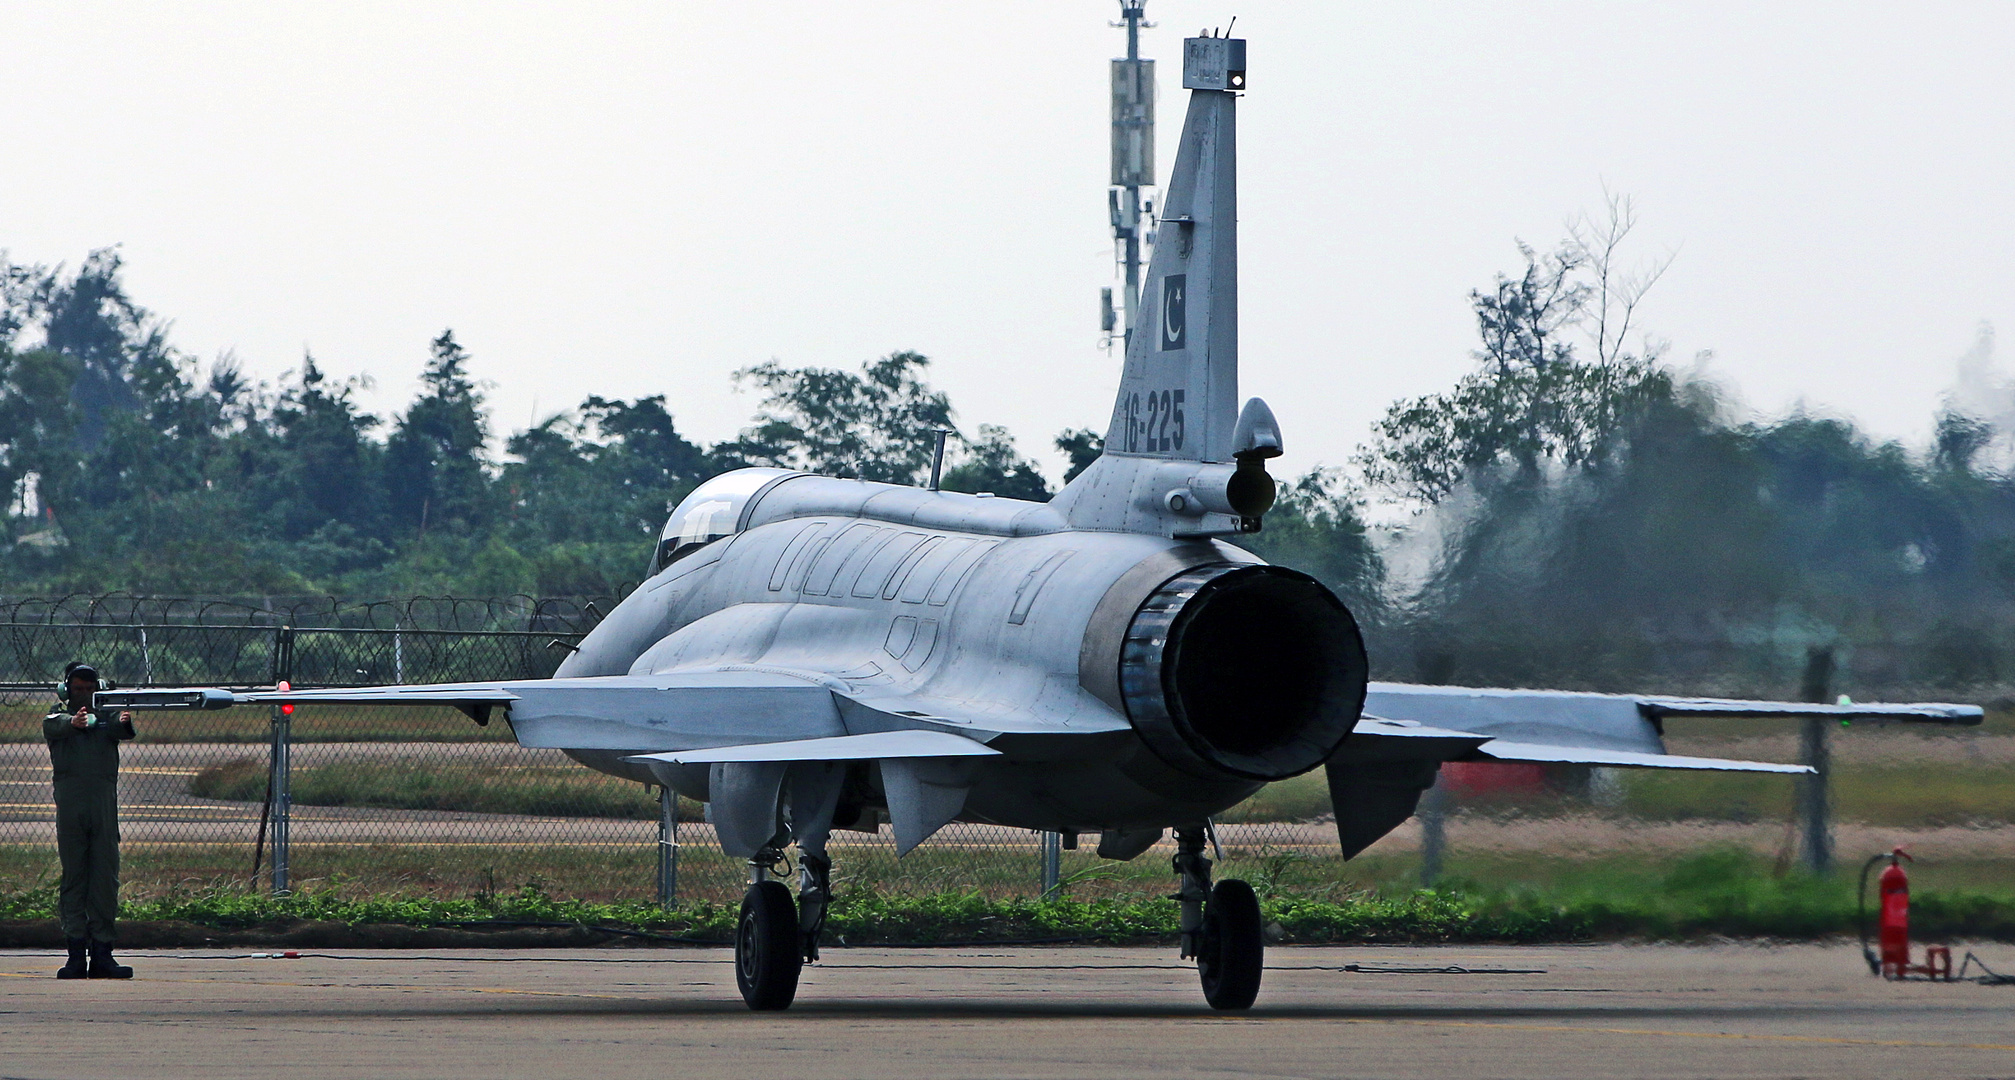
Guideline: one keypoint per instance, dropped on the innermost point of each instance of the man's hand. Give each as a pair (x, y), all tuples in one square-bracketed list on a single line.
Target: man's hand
[(81, 719), (125, 716)]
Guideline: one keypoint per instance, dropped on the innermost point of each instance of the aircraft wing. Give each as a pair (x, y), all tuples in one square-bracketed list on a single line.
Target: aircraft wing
[(680, 710), (1456, 723), (1628, 722), (637, 713), (1376, 779)]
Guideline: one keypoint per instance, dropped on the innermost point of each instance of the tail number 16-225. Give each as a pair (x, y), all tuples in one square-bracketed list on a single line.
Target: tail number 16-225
[(1154, 421)]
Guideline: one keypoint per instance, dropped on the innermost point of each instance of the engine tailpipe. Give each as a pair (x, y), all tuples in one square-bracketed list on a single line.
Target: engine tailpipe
[(1253, 671)]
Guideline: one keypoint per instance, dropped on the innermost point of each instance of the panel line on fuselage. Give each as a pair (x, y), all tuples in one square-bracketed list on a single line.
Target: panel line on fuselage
[(788, 558)]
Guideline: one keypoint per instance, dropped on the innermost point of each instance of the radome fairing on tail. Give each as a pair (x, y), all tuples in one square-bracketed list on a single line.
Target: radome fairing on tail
[(810, 653)]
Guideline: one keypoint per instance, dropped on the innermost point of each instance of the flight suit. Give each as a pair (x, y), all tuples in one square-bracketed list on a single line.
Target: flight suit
[(86, 765)]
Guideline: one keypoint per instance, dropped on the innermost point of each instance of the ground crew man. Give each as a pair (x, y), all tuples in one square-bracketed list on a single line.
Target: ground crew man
[(84, 751)]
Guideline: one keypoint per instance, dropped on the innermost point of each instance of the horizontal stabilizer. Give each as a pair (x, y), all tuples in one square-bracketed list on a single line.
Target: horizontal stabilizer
[(1379, 740), (1500, 750), (875, 746)]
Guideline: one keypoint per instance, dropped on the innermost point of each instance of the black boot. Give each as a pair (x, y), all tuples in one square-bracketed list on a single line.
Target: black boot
[(75, 968), (102, 964)]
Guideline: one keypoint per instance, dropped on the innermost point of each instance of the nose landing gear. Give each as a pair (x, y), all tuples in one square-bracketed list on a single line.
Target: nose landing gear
[(1221, 927), (776, 936), (768, 945)]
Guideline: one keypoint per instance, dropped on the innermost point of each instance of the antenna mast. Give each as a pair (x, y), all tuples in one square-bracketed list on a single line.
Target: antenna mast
[(1132, 165)]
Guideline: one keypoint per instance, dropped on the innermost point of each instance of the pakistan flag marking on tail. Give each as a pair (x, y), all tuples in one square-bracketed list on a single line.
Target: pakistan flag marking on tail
[(1173, 323)]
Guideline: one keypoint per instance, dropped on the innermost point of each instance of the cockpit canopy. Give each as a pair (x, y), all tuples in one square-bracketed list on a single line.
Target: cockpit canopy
[(712, 511)]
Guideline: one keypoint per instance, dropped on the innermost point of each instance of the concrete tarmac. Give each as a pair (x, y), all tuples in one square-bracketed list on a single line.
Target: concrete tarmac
[(890, 1014)]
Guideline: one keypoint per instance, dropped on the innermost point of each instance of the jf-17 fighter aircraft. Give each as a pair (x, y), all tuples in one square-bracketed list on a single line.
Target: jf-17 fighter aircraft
[(810, 653)]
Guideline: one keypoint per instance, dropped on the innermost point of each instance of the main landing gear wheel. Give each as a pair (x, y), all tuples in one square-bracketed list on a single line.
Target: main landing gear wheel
[(768, 947), (1232, 953)]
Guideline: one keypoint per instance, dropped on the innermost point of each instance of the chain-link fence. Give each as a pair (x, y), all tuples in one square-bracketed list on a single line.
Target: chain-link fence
[(424, 801), (391, 800)]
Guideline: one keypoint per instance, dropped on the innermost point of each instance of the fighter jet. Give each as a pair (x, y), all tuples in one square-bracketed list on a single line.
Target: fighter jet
[(810, 653)]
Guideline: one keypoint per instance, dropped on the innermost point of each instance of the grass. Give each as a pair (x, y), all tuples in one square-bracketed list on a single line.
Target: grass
[(151, 872), (562, 790), (1706, 894), (1913, 794), (1917, 794), (1303, 798)]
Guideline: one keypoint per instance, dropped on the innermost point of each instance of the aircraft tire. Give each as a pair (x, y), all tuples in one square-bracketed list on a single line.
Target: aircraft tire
[(768, 952), (1232, 954)]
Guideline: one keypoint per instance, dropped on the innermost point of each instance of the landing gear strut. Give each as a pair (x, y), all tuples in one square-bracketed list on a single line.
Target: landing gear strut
[(769, 946), (1220, 926), (815, 891), (777, 936)]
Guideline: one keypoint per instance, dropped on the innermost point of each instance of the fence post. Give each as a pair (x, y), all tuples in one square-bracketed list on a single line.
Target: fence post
[(282, 761), (1816, 846), (668, 846), (1052, 863), (1433, 815)]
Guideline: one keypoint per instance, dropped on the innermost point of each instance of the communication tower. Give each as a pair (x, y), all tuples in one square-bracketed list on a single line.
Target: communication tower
[(1132, 169)]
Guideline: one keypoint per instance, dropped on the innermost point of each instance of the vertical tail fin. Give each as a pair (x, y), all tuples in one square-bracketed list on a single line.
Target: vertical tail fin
[(1178, 395)]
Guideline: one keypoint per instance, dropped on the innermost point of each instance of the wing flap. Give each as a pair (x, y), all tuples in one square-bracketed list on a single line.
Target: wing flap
[(1502, 750), (876, 746), (1379, 741)]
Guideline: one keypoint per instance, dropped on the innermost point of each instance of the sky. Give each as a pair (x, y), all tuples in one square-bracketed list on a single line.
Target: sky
[(630, 199)]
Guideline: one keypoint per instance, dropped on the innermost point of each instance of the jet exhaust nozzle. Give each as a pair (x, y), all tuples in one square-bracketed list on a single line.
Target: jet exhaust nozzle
[(1257, 671)]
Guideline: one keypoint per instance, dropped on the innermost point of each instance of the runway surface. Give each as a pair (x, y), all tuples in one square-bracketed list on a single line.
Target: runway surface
[(1595, 1011)]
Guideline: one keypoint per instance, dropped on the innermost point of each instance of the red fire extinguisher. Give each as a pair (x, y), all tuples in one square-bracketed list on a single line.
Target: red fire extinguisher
[(1892, 922), (1893, 926)]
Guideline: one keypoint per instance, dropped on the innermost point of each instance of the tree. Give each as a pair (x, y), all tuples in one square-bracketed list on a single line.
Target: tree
[(436, 469), (992, 464), (610, 470), (653, 457), (1081, 446), (1614, 290), (20, 299), (876, 425), (1960, 439), (1521, 321), (1531, 401), (122, 349), (326, 467), (1316, 527), (1564, 411)]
